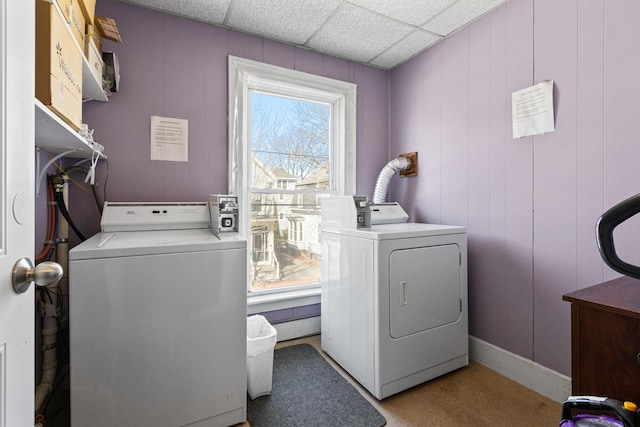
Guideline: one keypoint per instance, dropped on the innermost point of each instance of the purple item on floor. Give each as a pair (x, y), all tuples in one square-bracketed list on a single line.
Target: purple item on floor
[(595, 411), (586, 420)]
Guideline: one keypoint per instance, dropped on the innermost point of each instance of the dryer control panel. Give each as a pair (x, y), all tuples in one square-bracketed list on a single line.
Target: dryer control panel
[(357, 212)]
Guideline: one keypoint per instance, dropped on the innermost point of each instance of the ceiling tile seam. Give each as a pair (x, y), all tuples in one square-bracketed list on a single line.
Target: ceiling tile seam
[(404, 38), (227, 14), (389, 48), (414, 29), (418, 29), (321, 26), (437, 15), (391, 18), (387, 17), (405, 22)]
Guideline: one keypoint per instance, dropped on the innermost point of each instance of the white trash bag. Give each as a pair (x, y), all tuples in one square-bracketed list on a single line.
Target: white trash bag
[(261, 341)]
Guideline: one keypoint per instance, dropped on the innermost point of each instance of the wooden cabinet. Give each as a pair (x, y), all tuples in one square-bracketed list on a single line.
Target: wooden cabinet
[(605, 339)]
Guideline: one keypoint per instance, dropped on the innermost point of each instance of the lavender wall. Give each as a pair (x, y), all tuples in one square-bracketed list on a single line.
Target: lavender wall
[(176, 67), (530, 204)]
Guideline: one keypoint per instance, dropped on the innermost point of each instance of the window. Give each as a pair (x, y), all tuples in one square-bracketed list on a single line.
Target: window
[(291, 143), (260, 250)]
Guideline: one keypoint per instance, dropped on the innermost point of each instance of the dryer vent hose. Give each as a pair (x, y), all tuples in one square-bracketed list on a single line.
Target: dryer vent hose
[(390, 169)]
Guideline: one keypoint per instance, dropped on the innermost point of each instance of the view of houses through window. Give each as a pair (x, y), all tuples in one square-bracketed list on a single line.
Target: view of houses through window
[(289, 152)]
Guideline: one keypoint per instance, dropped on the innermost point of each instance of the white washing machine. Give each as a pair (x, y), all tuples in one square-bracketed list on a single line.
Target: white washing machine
[(157, 307), (394, 301)]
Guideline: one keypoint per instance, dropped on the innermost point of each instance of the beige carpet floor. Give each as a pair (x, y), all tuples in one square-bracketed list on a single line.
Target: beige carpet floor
[(473, 396)]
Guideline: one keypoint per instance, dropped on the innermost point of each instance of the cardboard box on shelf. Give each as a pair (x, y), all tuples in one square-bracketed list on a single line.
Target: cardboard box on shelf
[(58, 66), (94, 34), (94, 57), (76, 22), (108, 29), (65, 6), (88, 8)]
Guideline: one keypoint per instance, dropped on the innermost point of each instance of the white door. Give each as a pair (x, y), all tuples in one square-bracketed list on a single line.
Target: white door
[(17, 46)]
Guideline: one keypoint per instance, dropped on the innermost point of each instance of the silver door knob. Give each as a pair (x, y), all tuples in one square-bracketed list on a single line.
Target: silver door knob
[(44, 274)]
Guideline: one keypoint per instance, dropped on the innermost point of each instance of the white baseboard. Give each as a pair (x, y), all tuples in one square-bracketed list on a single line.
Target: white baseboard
[(534, 376), (298, 328)]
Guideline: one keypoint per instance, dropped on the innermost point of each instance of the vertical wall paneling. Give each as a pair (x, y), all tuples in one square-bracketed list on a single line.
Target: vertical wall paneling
[(193, 184), (408, 135), (143, 84), (555, 183), (478, 230), (590, 139), (278, 54), (307, 61), (245, 46), (176, 99), (455, 130), (337, 68), (533, 202), (214, 173), (498, 322), (361, 135), (621, 141), (373, 132), (429, 87), (415, 99), (518, 202)]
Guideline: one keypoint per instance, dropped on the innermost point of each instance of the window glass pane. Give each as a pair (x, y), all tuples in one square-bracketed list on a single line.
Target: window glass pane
[(290, 140), (290, 148), (286, 240)]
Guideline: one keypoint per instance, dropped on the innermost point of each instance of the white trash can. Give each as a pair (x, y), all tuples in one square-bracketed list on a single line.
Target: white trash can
[(261, 340)]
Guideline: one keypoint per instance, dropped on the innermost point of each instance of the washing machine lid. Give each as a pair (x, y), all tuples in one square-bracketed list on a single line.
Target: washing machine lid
[(136, 243), (399, 231)]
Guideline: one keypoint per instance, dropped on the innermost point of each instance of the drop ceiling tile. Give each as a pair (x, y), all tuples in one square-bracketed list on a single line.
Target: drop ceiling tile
[(460, 14), (405, 49), (414, 12), (358, 34), (202, 10), (367, 31), (292, 21)]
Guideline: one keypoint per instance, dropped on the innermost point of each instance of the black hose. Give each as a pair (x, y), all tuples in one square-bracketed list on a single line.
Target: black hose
[(97, 197), (94, 187), (63, 210)]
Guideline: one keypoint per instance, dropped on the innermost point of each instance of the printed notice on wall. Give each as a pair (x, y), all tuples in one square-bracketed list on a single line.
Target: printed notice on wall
[(169, 139), (532, 110)]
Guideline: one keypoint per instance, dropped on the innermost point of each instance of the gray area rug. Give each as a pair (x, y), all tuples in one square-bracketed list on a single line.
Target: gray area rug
[(307, 391)]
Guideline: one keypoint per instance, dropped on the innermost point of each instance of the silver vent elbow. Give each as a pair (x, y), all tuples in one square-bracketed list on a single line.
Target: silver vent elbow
[(387, 172)]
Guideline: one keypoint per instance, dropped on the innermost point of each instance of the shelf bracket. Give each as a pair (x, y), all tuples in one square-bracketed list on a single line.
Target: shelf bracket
[(46, 166)]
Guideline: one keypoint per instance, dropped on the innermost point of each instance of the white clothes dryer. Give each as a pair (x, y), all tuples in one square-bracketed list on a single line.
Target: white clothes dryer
[(158, 320), (394, 302)]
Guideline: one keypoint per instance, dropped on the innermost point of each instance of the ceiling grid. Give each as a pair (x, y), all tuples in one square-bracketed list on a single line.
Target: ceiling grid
[(380, 33)]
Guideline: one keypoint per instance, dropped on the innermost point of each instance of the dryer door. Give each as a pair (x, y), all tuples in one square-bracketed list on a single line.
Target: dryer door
[(424, 288)]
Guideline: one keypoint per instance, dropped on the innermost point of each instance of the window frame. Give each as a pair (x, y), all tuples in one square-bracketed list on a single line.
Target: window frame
[(246, 75)]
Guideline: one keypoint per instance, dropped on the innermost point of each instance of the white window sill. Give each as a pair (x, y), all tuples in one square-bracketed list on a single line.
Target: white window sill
[(282, 300)]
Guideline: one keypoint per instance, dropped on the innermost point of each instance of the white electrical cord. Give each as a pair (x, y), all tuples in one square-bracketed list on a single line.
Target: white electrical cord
[(91, 175)]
